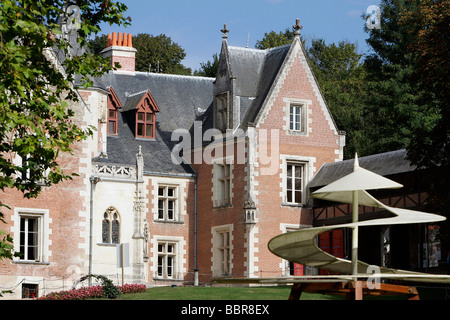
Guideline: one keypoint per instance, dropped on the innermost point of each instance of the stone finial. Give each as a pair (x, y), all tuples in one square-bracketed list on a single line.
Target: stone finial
[(297, 27), (225, 32)]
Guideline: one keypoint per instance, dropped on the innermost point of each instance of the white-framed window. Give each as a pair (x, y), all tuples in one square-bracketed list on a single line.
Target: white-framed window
[(111, 226), (167, 264), (222, 188), (296, 115), (32, 170), (295, 173), (31, 235), (167, 203), (295, 182), (222, 250)]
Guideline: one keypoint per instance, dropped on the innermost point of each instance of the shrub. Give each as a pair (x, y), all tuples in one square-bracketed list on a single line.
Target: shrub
[(107, 290)]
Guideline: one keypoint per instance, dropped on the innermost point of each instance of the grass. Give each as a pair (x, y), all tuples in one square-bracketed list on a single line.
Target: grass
[(222, 293), (256, 293)]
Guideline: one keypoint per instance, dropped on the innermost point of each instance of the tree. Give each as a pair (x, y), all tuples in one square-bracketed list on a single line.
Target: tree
[(429, 146), (391, 106), (341, 76), (35, 121), (154, 53), (273, 39), (208, 69), (159, 54)]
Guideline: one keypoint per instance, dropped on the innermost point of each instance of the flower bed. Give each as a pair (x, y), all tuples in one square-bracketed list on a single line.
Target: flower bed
[(91, 292)]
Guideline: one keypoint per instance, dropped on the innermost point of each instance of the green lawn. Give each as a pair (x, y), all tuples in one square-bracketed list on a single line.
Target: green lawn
[(222, 293)]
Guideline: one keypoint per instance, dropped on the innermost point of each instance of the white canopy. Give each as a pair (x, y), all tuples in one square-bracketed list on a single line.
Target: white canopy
[(300, 246)]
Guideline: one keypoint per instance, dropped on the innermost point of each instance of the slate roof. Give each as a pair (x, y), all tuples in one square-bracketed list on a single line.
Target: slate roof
[(181, 100), (255, 71), (385, 164)]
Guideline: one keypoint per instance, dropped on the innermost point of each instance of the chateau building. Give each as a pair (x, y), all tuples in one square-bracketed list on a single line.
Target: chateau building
[(189, 177)]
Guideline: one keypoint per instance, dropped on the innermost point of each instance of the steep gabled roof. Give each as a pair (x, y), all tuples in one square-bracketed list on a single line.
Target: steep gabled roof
[(267, 73)]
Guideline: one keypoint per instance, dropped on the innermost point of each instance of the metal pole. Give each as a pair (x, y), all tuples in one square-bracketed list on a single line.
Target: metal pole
[(355, 220), (355, 234)]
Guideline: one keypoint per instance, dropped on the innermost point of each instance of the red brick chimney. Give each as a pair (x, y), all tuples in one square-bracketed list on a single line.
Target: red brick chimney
[(119, 47)]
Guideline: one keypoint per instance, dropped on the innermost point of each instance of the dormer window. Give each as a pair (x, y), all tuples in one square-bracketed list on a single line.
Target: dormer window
[(141, 112), (145, 121), (113, 110), (112, 121)]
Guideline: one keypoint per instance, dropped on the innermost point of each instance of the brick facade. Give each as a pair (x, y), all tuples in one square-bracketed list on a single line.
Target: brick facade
[(172, 237)]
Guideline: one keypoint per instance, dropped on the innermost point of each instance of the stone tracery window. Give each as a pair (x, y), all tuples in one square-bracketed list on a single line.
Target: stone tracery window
[(111, 226)]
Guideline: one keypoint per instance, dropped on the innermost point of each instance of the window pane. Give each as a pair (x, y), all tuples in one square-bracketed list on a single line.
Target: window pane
[(140, 129), (160, 191), (115, 232), (160, 265), (161, 209), (105, 231), (171, 192), (298, 196), (112, 114), (169, 266), (140, 116), (170, 211), (111, 127), (149, 130), (149, 117)]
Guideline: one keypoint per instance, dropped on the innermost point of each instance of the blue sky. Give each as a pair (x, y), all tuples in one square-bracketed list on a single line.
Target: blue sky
[(195, 24)]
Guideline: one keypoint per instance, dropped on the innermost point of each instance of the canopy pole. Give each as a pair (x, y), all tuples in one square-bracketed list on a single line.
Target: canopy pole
[(355, 234), (355, 220)]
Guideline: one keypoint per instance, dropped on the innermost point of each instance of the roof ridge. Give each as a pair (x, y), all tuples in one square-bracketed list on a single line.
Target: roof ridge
[(174, 75)]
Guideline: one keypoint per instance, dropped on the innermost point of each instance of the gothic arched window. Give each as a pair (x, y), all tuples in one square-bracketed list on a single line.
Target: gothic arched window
[(111, 226)]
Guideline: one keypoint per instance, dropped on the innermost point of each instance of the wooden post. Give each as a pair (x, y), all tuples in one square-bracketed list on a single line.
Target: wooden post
[(296, 291)]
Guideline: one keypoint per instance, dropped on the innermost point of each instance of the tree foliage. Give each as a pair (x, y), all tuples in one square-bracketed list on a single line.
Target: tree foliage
[(35, 120), (209, 68), (341, 76), (159, 54), (273, 39), (154, 53)]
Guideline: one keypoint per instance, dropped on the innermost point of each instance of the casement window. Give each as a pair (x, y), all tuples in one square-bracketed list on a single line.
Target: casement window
[(31, 232), (167, 255), (111, 226), (295, 180), (296, 112), (222, 184), (296, 118), (113, 112), (30, 242), (167, 203), (222, 250), (145, 125), (221, 112), (112, 121), (225, 252), (32, 170)]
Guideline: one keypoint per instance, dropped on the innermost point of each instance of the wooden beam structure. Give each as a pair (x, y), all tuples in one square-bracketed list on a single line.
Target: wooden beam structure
[(352, 290)]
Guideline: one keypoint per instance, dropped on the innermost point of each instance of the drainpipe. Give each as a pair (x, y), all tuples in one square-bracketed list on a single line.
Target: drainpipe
[(94, 180), (195, 233)]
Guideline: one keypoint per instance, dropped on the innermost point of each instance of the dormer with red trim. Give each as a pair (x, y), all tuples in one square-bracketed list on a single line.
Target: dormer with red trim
[(141, 117), (114, 106)]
